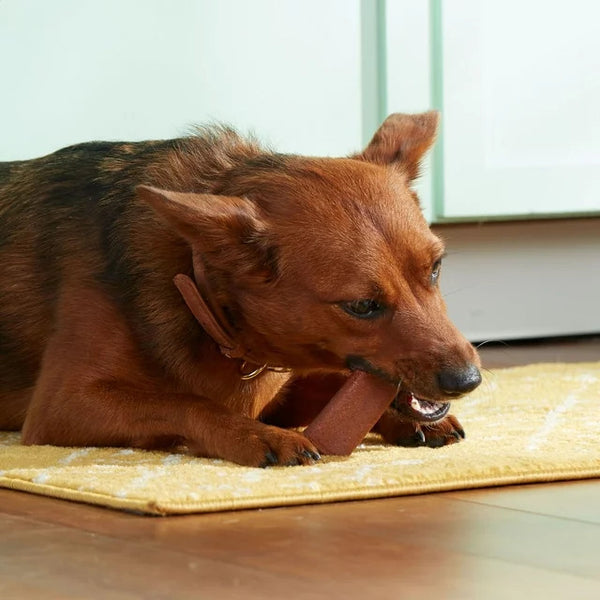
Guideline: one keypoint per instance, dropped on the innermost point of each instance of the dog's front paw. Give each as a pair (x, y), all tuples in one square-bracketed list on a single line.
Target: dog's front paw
[(396, 429), (258, 445), (285, 448)]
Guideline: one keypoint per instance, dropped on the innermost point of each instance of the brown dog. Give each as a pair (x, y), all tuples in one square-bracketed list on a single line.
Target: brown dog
[(316, 265)]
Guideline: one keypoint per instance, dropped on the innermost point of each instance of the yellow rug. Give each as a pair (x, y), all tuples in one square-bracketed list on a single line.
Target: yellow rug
[(526, 424)]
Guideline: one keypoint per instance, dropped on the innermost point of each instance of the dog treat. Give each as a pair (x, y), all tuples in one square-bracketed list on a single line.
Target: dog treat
[(350, 414)]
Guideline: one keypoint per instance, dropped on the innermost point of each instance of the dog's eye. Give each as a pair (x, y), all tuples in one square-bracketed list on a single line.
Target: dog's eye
[(365, 308), (435, 272)]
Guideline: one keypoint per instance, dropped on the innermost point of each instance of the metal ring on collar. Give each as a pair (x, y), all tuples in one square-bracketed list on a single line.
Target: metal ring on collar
[(252, 374)]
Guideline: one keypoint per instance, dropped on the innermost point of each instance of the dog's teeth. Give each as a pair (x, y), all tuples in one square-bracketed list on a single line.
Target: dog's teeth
[(423, 406)]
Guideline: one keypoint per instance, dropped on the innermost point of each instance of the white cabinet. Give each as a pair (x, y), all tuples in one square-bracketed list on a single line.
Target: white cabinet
[(518, 84), (521, 98), (76, 70)]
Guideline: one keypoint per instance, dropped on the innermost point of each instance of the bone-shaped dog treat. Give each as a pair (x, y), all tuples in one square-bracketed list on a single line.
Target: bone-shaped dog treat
[(350, 414)]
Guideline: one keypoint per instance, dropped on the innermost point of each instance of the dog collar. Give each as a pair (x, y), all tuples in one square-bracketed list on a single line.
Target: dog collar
[(210, 323)]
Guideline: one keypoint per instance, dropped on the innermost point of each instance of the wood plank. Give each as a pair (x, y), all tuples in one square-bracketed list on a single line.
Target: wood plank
[(578, 501), (373, 548), (77, 563), (14, 588), (71, 564)]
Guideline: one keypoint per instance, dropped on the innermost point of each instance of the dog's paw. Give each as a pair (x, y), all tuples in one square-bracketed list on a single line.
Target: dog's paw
[(260, 445), (402, 432), (285, 448), (434, 435)]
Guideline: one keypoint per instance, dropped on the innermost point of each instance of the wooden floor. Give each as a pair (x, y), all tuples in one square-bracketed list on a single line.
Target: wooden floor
[(539, 541)]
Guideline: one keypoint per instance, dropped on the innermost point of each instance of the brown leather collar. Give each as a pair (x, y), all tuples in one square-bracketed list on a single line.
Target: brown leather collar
[(211, 318)]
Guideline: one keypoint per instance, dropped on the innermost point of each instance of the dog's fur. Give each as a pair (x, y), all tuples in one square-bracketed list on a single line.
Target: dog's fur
[(98, 348)]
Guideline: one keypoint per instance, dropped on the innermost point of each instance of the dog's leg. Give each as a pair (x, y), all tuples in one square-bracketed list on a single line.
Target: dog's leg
[(95, 388), (397, 429), (13, 408), (115, 414)]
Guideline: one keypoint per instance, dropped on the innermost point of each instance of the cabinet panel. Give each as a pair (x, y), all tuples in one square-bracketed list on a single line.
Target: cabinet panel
[(408, 61), (75, 70), (521, 92)]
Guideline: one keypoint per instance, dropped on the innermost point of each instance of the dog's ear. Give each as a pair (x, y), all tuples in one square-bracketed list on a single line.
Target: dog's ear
[(227, 227), (403, 139), (202, 219)]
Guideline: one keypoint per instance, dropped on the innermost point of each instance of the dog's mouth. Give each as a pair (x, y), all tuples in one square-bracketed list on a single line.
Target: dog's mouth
[(405, 402), (419, 409)]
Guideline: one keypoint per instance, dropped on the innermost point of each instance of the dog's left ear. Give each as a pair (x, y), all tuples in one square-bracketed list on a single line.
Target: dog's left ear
[(403, 139)]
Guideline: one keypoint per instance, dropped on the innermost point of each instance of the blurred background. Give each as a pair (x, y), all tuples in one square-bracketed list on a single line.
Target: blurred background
[(513, 184)]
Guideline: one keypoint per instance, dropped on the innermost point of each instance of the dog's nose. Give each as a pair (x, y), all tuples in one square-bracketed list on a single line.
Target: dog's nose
[(457, 381)]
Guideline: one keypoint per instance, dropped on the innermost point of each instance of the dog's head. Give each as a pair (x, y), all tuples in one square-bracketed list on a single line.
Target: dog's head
[(329, 264)]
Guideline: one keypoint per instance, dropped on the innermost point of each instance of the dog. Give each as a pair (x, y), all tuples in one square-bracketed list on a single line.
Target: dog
[(307, 268)]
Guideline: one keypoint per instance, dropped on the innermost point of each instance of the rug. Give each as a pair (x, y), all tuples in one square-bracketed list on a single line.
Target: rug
[(537, 423)]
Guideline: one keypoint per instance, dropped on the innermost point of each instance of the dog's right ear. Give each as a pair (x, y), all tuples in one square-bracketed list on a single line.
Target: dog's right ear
[(207, 221), (228, 228)]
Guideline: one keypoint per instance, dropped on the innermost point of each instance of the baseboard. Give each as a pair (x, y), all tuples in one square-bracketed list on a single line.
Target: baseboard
[(521, 280)]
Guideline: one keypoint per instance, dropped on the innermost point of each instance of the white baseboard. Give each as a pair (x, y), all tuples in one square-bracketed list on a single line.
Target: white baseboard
[(523, 279)]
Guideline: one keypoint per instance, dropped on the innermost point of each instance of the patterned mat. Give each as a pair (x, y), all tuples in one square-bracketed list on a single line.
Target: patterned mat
[(526, 424)]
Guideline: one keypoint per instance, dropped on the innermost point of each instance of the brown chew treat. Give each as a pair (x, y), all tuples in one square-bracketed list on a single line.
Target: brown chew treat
[(350, 414)]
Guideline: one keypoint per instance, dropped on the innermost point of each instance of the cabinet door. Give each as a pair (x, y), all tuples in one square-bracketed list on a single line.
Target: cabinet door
[(74, 71), (519, 86)]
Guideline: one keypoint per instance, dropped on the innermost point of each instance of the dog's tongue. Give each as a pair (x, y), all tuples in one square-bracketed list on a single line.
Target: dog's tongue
[(350, 414)]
